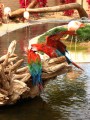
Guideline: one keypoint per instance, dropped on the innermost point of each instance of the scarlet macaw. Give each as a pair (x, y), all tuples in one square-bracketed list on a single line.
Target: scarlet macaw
[(56, 43), (35, 68), (52, 51)]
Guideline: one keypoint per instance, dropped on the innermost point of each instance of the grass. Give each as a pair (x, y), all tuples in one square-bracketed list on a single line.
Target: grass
[(84, 33)]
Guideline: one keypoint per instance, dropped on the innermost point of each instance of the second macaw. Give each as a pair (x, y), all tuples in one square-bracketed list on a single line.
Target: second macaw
[(56, 43), (35, 68), (60, 46)]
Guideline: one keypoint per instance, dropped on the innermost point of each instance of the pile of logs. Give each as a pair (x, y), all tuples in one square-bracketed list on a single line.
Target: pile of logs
[(15, 79)]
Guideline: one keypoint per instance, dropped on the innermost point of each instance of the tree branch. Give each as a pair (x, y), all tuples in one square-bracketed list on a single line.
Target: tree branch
[(60, 8)]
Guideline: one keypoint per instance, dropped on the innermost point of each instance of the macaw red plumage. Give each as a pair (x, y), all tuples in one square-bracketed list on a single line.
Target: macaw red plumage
[(59, 35), (56, 43), (50, 51), (54, 40), (61, 47), (35, 68)]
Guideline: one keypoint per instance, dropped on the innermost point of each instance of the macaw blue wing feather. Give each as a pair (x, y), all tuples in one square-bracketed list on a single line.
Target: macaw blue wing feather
[(35, 68)]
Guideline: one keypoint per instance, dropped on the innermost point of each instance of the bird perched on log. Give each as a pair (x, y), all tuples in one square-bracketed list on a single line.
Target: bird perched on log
[(53, 51), (60, 46), (35, 68), (50, 51)]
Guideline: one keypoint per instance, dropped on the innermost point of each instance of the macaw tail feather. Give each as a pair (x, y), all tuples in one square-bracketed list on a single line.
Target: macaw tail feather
[(76, 65), (36, 80), (70, 61), (33, 80)]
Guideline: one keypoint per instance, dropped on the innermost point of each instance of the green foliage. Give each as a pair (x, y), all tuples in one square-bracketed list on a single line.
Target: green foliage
[(51, 32), (84, 33)]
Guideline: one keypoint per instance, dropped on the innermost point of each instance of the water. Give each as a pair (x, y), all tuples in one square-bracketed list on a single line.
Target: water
[(70, 98), (62, 99)]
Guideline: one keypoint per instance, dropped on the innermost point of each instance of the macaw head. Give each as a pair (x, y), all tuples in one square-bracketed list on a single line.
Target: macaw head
[(40, 47), (34, 47), (37, 47)]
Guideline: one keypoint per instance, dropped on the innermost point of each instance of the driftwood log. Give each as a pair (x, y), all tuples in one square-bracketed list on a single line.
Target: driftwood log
[(15, 79), (77, 6)]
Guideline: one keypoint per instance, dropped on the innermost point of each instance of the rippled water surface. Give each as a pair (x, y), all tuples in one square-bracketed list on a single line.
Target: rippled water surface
[(64, 98)]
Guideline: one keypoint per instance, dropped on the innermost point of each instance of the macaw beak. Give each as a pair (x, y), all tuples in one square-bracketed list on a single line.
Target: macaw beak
[(34, 49)]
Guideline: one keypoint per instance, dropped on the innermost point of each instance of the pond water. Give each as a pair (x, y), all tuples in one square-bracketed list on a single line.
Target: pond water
[(63, 98)]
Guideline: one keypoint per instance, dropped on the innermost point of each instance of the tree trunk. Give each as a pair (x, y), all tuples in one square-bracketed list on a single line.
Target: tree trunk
[(78, 7)]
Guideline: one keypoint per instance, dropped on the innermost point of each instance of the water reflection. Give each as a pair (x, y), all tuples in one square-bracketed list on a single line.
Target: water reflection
[(80, 56), (25, 111), (63, 98), (24, 35), (69, 97)]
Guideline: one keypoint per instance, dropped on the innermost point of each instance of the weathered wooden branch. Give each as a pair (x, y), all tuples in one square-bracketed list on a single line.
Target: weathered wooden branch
[(77, 6), (15, 80)]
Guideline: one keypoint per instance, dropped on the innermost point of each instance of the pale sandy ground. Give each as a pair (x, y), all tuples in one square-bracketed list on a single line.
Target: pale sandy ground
[(13, 26)]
